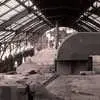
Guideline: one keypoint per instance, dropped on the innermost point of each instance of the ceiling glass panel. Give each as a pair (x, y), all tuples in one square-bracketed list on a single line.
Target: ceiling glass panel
[(2, 33), (97, 20), (1, 1), (19, 8), (1, 21), (12, 3), (3, 9), (8, 15)]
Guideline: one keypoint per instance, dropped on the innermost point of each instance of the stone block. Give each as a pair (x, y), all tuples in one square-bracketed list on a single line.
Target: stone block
[(17, 92)]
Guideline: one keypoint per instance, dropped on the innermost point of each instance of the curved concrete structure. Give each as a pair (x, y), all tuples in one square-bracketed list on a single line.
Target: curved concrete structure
[(79, 46), (74, 53)]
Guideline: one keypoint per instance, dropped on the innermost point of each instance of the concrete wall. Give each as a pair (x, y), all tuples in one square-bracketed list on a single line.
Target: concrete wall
[(63, 68), (80, 66), (79, 46), (96, 64), (9, 92), (72, 67)]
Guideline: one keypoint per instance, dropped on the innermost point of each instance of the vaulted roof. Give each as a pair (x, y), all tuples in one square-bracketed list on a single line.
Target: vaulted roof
[(22, 20), (65, 12)]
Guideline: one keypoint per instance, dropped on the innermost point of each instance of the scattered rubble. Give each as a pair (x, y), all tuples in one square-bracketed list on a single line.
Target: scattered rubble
[(45, 57), (30, 77), (43, 62), (33, 81), (27, 68), (76, 87)]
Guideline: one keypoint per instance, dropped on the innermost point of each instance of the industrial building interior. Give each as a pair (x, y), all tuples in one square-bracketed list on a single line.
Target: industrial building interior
[(49, 49)]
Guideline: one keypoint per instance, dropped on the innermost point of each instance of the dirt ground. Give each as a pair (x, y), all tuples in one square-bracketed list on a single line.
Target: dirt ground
[(76, 87)]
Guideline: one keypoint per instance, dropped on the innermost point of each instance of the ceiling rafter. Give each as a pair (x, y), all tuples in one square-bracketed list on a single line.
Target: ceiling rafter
[(14, 19), (35, 26), (2, 3), (93, 22), (40, 16), (79, 28), (85, 27), (24, 27), (90, 27), (40, 27)]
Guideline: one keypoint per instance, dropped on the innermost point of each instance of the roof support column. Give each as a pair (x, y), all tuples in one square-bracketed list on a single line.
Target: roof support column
[(57, 35)]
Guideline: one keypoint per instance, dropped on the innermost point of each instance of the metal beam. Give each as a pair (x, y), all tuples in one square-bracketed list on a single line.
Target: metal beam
[(61, 7), (8, 35), (82, 28), (8, 38), (35, 20), (40, 30), (4, 2), (7, 30), (88, 26), (31, 10), (76, 27), (35, 26), (93, 22), (13, 19), (96, 11), (9, 10), (41, 27)]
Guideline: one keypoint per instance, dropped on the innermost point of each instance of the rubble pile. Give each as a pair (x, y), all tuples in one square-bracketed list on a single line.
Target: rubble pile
[(22, 87), (28, 68), (32, 82), (45, 57), (31, 77), (43, 62)]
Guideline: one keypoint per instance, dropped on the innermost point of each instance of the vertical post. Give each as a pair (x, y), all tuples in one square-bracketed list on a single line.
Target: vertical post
[(57, 35), (10, 48), (90, 66), (41, 41)]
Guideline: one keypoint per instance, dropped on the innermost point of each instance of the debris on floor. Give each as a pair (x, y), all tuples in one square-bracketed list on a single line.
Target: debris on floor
[(43, 62), (76, 87)]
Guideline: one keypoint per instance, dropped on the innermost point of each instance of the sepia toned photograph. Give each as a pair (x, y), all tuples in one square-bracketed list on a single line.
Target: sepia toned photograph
[(49, 49)]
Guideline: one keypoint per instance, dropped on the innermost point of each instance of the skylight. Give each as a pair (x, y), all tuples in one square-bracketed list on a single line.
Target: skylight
[(3, 9), (12, 3), (1, 1), (8, 15)]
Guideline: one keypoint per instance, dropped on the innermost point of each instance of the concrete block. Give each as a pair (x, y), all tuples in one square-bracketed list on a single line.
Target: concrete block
[(17, 92)]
